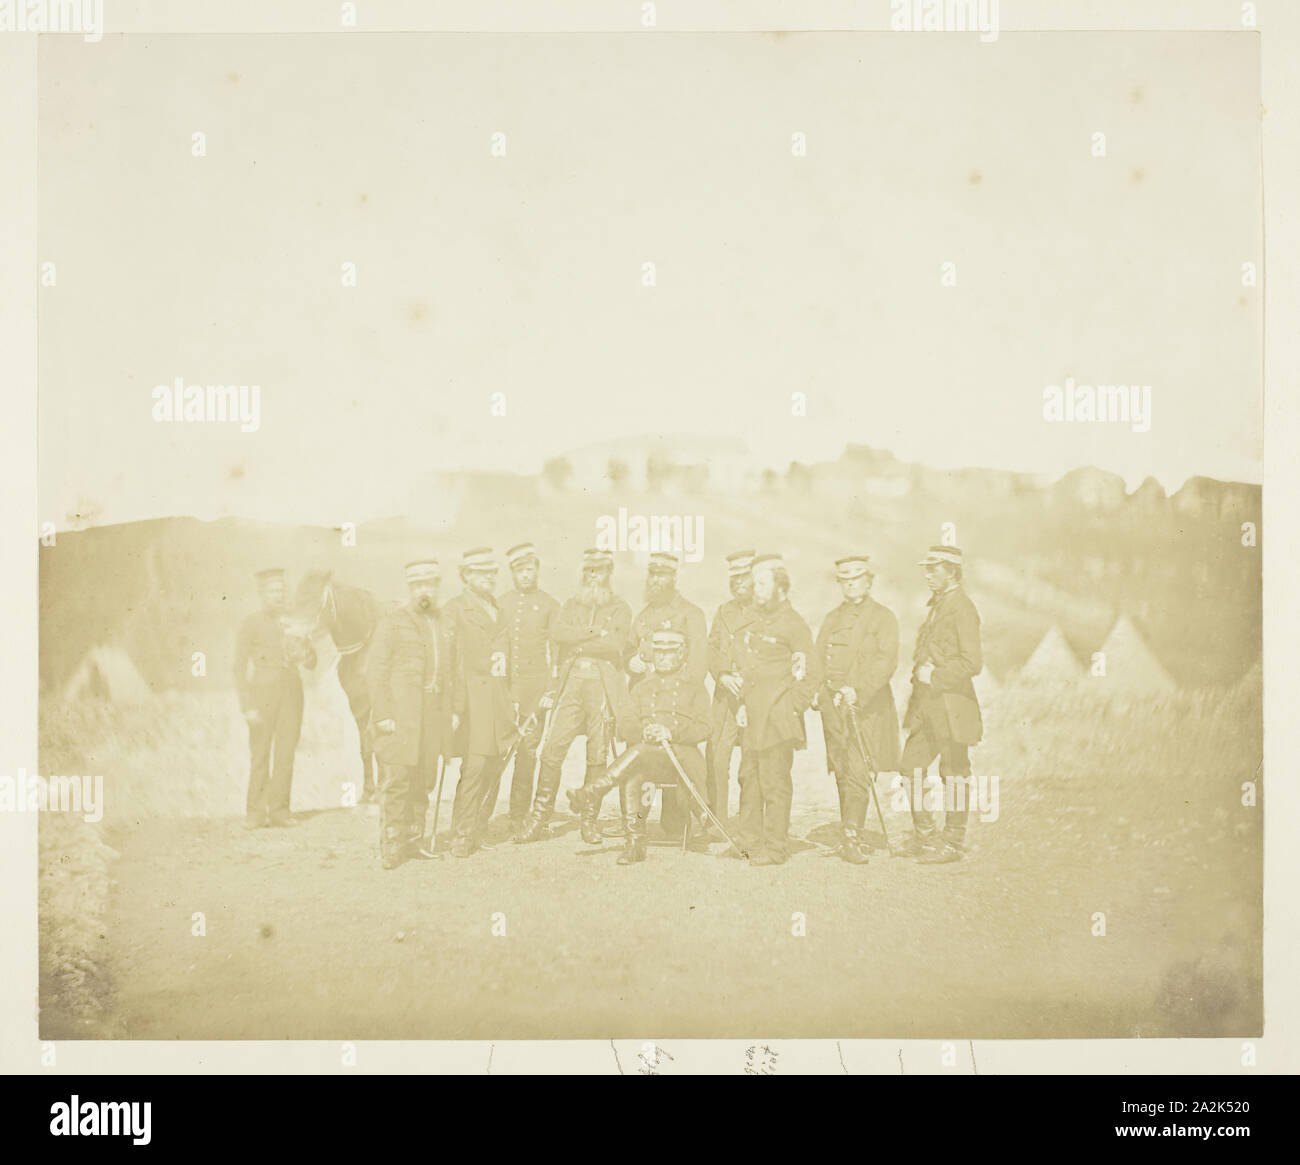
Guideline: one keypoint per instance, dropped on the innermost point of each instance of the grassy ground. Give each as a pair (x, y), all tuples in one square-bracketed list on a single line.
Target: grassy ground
[(1124, 809)]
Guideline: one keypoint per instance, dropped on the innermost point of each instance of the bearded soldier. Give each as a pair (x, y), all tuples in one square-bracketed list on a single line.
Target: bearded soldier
[(270, 697), (668, 707), (943, 714), (409, 672), (481, 698), (591, 635), (780, 674), (725, 640), (858, 647), (529, 613), (667, 609)]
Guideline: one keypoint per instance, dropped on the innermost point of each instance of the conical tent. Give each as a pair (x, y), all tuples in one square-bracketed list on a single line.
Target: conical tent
[(1131, 665), (107, 673), (1052, 661)]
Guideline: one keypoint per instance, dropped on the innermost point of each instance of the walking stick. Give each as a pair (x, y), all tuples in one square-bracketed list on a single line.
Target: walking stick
[(437, 806), (871, 770), (689, 785)]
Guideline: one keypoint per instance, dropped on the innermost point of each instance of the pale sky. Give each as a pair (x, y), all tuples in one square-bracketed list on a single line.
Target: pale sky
[(523, 274)]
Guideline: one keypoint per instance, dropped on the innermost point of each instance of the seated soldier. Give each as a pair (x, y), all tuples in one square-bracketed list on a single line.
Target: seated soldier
[(672, 710)]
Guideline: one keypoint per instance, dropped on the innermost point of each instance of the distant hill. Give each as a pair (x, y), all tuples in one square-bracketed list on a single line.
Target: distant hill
[(1066, 554)]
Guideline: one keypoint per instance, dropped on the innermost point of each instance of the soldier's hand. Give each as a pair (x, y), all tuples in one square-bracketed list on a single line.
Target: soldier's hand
[(731, 681), (849, 695), (547, 701), (455, 722), (637, 666), (924, 672), (742, 717), (252, 715), (798, 666), (387, 726)]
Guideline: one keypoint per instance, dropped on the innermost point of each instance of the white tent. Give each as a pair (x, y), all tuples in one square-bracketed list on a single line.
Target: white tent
[(1131, 666), (1052, 662), (107, 673)]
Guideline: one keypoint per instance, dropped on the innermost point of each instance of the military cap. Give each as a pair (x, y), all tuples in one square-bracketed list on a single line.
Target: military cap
[(601, 558), (774, 561), (740, 562), (522, 553), (270, 574), (664, 562), (480, 558), (854, 566), (941, 554), (423, 570), (666, 638)]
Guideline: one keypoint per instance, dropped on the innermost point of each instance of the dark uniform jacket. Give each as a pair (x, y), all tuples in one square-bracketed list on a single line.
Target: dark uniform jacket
[(858, 645), (774, 700), (677, 614), (481, 690), (674, 700), (265, 658), (950, 639), (576, 633), (409, 671), (528, 619), (725, 645)]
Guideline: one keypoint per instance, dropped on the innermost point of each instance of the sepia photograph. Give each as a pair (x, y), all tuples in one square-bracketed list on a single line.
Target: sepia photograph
[(650, 535)]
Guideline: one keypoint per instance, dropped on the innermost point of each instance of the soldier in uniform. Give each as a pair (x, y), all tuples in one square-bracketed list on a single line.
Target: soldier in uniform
[(668, 706), (481, 698), (591, 635), (943, 714), (858, 647), (529, 613), (725, 639), (270, 697), (409, 672), (667, 609), (780, 674)]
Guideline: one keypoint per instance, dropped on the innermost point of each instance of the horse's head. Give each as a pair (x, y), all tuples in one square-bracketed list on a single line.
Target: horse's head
[(313, 601)]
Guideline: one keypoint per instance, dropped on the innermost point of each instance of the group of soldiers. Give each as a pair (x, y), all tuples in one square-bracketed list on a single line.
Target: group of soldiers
[(519, 677)]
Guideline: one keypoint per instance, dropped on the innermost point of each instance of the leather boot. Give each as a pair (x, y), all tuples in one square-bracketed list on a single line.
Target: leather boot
[(590, 828), (851, 848), (534, 830), (633, 851)]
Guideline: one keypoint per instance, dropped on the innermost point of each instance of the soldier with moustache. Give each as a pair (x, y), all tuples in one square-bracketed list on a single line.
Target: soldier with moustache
[(270, 698), (481, 698), (943, 713), (528, 612), (780, 674), (726, 635), (410, 671), (591, 635), (666, 609), (668, 707), (858, 647)]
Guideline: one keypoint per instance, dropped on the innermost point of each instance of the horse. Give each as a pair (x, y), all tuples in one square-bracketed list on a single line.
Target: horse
[(349, 616)]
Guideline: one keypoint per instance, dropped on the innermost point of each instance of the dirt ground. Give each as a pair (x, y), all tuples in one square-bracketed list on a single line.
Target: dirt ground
[(307, 938)]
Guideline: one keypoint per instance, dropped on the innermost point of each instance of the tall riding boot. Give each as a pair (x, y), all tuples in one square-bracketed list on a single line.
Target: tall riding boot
[(634, 846)]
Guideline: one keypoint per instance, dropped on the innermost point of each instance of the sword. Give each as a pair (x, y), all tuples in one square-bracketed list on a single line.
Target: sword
[(695, 793), (431, 848), (872, 771)]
